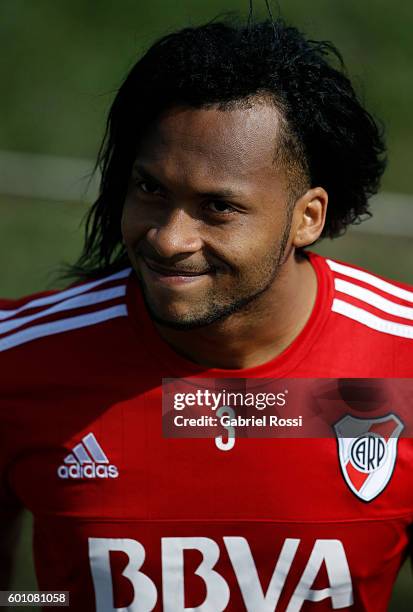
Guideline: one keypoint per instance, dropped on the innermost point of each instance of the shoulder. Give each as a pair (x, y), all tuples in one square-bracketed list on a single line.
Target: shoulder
[(369, 324), (45, 315), (377, 303)]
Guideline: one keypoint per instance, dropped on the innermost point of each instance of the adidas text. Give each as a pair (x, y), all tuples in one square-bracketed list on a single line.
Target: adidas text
[(87, 471)]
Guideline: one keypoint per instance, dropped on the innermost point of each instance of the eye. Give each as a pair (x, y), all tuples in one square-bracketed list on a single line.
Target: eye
[(219, 207), (148, 187)]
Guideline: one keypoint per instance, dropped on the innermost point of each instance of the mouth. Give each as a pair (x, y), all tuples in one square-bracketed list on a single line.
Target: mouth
[(167, 275)]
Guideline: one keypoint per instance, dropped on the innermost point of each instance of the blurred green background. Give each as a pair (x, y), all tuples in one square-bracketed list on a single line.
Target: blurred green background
[(61, 63)]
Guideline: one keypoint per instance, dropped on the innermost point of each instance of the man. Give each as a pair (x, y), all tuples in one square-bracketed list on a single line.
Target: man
[(225, 145)]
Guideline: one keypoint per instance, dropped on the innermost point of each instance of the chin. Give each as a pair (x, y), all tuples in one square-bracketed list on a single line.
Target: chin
[(179, 322), (184, 321)]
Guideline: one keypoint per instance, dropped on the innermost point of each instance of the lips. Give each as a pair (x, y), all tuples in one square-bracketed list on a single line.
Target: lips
[(166, 271)]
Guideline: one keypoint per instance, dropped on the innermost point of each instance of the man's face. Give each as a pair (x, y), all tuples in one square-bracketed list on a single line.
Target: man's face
[(206, 220)]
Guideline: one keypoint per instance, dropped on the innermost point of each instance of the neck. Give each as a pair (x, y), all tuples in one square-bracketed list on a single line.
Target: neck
[(258, 333)]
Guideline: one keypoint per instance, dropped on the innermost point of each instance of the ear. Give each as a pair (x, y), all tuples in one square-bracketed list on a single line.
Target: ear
[(309, 217)]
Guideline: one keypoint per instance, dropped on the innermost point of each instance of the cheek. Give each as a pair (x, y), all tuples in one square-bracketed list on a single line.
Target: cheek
[(251, 244), (132, 227)]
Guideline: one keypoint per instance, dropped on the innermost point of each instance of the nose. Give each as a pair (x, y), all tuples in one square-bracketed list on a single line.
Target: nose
[(176, 235)]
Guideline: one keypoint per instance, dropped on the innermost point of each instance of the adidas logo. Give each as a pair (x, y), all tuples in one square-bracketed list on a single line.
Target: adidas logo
[(87, 460)]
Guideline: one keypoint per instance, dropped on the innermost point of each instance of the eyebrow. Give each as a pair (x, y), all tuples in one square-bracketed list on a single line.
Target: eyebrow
[(217, 193)]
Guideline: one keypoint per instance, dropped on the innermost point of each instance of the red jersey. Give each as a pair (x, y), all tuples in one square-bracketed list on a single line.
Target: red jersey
[(125, 519)]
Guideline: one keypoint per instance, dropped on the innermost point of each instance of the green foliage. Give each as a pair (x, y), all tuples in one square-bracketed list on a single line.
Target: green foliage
[(37, 237), (66, 59), (63, 61)]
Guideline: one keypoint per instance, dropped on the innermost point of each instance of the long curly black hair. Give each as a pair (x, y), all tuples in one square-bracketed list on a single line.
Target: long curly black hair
[(327, 134)]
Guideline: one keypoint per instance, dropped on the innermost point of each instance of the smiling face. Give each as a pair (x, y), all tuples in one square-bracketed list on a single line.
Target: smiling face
[(206, 222)]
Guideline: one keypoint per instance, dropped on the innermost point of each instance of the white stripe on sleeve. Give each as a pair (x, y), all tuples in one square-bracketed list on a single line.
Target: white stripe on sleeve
[(63, 295), (370, 320), (63, 325), (374, 299), (370, 279)]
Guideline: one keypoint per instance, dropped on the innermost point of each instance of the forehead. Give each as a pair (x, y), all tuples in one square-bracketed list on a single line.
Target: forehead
[(239, 142)]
